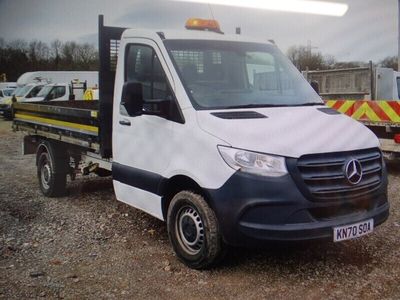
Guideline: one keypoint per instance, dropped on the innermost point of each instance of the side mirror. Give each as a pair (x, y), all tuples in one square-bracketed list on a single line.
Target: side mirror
[(132, 98)]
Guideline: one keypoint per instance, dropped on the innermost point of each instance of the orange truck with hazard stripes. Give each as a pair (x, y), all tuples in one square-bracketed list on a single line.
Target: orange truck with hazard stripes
[(369, 95)]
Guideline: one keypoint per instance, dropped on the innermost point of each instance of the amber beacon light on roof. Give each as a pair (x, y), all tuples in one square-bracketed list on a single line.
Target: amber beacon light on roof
[(203, 24)]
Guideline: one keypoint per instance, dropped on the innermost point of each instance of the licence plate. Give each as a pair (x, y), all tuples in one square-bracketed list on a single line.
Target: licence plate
[(351, 231)]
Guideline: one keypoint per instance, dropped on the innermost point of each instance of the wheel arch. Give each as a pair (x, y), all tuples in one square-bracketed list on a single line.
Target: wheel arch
[(42, 147), (177, 183), (56, 150)]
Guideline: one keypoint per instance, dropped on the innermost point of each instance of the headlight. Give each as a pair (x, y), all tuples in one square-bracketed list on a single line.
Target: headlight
[(252, 162)]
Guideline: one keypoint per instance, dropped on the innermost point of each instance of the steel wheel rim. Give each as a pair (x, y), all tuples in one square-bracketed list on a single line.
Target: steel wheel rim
[(190, 230), (45, 175)]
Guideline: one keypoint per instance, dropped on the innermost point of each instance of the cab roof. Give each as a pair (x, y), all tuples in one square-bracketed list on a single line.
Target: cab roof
[(189, 35)]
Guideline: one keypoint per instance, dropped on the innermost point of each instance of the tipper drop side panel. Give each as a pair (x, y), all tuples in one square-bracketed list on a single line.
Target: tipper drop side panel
[(84, 123)]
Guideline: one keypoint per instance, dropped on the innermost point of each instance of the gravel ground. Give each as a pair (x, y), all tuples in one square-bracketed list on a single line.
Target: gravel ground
[(87, 245)]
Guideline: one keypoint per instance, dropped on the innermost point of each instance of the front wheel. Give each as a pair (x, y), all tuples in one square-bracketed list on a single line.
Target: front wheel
[(193, 230)]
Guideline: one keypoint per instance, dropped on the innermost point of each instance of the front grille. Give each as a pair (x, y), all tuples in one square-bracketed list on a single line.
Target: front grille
[(323, 175)]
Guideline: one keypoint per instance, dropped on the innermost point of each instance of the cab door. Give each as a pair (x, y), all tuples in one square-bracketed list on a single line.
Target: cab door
[(142, 144)]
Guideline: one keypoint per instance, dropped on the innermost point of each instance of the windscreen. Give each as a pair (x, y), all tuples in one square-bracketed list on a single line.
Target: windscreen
[(7, 92), (45, 91), (224, 74), (21, 91)]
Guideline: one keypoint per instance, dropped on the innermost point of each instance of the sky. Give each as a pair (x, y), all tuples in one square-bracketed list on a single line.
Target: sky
[(368, 31)]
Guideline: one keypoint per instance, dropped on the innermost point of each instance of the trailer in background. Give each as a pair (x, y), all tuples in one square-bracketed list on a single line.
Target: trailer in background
[(356, 83), (369, 95)]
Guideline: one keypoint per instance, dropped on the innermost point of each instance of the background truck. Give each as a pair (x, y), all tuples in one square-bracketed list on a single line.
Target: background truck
[(369, 95), (217, 135)]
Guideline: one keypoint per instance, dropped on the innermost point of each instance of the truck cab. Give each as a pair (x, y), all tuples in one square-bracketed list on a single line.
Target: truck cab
[(51, 92), (28, 91)]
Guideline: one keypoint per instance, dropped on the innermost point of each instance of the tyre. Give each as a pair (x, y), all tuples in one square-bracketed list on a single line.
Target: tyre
[(193, 231), (52, 168)]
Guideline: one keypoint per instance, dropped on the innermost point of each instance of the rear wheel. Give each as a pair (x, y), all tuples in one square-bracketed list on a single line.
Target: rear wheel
[(52, 168), (193, 230)]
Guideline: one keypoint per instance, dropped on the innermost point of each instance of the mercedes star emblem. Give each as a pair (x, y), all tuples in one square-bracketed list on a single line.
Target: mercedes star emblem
[(353, 171)]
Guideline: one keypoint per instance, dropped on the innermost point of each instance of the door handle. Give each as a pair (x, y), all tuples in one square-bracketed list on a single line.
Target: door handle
[(125, 122)]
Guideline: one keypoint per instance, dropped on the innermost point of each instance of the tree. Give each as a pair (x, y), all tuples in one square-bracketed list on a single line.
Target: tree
[(330, 61), (68, 54), (19, 56), (303, 58), (38, 53), (55, 50), (389, 62), (86, 56), (18, 44), (13, 62)]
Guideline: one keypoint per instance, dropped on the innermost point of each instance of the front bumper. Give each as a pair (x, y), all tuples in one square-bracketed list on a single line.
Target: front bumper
[(253, 209)]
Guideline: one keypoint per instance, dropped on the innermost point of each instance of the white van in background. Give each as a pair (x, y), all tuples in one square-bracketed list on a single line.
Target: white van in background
[(75, 90), (58, 76), (7, 92), (27, 91), (23, 92), (30, 83), (8, 85)]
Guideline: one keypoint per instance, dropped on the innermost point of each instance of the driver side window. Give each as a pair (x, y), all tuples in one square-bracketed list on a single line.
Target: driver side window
[(143, 66)]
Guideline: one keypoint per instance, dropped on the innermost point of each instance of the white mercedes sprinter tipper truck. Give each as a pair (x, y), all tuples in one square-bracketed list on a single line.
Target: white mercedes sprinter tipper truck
[(218, 135)]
